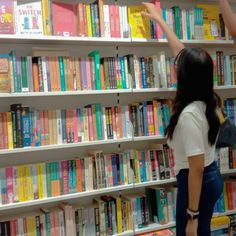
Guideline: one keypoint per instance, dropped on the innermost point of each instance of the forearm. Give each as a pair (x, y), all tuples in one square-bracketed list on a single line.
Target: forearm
[(229, 17), (194, 188), (174, 42)]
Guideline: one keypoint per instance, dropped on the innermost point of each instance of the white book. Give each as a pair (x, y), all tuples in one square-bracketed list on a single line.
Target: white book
[(192, 24), (126, 23), (170, 206), (136, 72), (45, 192), (91, 221), (45, 78), (59, 127), (20, 227), (127, 76), (29, 18), (121, 23), (148, 173), (129, 127), (107, 30), (184, 24), (104, 123), (163, 71), (43, 224)]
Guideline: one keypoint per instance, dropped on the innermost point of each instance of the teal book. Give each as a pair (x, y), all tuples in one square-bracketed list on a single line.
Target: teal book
[(24, 81), (162, 211), (96, 56), (92, 8), (70, 177), (62, 73), (164, 17), (48, 179), (139, 212), (188, 24), (74, 177), (99, 121), (15, 77), (227, 70), (160, 120), (123, 75)]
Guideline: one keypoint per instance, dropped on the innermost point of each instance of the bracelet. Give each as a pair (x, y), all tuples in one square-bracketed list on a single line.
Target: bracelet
[(189, 211)]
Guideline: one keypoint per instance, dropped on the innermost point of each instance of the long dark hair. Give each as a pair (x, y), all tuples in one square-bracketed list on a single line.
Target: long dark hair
[(195, 83)]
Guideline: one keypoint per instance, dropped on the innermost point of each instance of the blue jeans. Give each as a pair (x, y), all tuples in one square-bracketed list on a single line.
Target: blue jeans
[(212, 187)]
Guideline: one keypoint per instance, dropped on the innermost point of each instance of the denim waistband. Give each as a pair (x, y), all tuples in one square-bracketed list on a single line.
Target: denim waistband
[(207, 169)]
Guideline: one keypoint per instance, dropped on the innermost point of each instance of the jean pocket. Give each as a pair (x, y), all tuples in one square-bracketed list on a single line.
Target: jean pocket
[(209, 177)]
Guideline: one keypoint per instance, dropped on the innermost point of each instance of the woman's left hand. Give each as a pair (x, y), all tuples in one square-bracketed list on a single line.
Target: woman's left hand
[(191, 228)]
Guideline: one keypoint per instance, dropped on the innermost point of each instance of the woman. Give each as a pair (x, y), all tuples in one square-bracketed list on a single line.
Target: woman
[(229, 18), (192, 134)]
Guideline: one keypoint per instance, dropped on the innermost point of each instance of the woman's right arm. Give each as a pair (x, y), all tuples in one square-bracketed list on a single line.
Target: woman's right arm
[(156, 14), (229, 17)]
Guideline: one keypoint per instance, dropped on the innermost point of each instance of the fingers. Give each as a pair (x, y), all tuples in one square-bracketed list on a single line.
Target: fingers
[(144, 13)]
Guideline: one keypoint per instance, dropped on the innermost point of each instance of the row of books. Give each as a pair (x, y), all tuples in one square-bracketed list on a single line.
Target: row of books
[(65, 73), (230, 110), (27, 127), (95, 171), (226, 158), (100, 20), (226, 201), (108, 215), (165, 232)]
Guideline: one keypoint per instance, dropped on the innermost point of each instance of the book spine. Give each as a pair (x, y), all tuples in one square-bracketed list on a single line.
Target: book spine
[(44, 74)]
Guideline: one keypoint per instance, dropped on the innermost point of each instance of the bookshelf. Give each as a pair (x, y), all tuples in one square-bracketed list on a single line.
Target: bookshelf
[(109, 47)]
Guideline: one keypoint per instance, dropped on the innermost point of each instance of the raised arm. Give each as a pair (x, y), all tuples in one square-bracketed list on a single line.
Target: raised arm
[(156, 14), (229, 17)]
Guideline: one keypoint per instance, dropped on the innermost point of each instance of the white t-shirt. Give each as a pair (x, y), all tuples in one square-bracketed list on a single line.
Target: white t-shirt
[(190, 136)]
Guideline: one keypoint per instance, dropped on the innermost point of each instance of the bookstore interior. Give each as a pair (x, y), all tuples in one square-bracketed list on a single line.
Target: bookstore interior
[(86, 92)]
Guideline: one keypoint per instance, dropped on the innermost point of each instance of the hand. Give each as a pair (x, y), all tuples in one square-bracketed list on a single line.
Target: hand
[(152, 11), (191, 228)]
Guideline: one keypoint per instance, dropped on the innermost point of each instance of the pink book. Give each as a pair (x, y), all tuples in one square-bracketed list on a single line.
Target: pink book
[(52, 223), (75, 121), (112, 20), (64, 170), (90, 119), (80, 19), (117, 22), (9, 178), (7, 17), (64, 23), (13, 224), (109, 171), (88, 72), (56, 222), (155, 115), (158, 28), (150, 120)]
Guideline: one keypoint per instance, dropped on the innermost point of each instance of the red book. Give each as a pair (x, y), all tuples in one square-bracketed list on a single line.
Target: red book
[(7, 17), (117, 22), (112, 20), (13, 225), (79, 175), (64, 23), (80, 19), (158, 28)]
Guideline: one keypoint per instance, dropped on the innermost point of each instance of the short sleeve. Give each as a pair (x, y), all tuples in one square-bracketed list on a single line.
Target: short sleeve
[(191, 134)]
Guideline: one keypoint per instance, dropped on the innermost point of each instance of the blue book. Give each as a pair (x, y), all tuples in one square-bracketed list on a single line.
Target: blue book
[(227, 70), (122, 178), (188, 24), (144, 77), (70, 177), (31, 119), (114, 170), (234, 111), (144, 174), (124, 122), (63, 124), (160, 119), (26, 127), (3, 185), (145, 119)]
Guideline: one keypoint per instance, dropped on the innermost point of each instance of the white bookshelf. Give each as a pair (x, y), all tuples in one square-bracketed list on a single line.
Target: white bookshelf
[(154, 227)]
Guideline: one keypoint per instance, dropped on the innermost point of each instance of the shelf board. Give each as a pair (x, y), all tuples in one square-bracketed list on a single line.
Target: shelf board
[(154, 227), (102, 92), (228, 172), (226, 213), (42, 39), (62, 146), (219, 227), (164, 42), (66, 93), (146, 138), (61, 198), (156, 182)]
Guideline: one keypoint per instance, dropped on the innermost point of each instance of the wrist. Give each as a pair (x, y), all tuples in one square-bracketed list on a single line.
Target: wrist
[(192, 215)]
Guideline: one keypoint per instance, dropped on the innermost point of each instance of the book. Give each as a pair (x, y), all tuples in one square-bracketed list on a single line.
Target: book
[(7, 24), (29, 18), (5, 80), (140, 25), (63, 19)]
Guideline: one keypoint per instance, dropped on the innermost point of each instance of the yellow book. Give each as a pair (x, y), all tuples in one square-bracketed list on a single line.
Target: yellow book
[(137, 170), (31, 226), (39, 169), (225, 197), (9, 130), (119, 215), (94, 123), (211, 22), (20, 182), (46, 17), (220, 221), (140, 25), (89, 22), (29, 183), (128, 215)]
